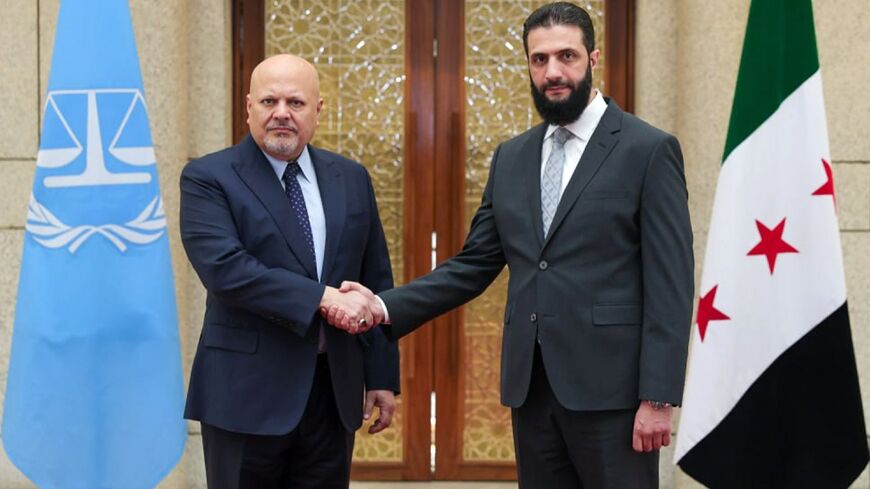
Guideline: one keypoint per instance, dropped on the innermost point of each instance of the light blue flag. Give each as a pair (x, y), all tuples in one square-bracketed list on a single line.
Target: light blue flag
[(94, 396)]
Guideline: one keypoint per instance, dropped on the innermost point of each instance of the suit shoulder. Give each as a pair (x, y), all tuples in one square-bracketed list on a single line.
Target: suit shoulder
[(515, 143), (643, 131), (212, 162), (344, 163)]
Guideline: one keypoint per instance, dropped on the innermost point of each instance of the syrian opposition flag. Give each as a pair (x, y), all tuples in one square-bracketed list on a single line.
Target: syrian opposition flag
[(772, 397)]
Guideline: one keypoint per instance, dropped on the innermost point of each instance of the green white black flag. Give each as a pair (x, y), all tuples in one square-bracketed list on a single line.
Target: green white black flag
[(772, 397)]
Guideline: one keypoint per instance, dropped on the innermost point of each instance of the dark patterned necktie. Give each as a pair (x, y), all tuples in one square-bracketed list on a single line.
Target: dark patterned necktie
[(297, 202)]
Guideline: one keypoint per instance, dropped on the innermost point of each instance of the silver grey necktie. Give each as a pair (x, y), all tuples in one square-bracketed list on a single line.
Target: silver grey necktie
[(551, 182)]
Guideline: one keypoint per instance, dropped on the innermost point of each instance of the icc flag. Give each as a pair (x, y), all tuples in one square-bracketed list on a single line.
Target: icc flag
[(772, 397), (94, 396)]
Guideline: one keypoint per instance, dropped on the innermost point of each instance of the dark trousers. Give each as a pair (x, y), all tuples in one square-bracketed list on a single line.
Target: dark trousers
[(558, 448), (316, 454)]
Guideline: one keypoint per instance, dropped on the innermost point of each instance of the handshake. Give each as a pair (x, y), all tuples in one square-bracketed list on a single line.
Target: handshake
[(352, 307)]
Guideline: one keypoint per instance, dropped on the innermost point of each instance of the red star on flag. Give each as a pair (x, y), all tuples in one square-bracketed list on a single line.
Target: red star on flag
[(771, 244), (707, 312), (828, 187)]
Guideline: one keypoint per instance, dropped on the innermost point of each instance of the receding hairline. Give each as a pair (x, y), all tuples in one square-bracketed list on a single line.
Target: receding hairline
[(285, 61)]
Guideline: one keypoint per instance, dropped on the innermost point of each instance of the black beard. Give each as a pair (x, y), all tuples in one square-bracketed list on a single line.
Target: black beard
[(561, 112)]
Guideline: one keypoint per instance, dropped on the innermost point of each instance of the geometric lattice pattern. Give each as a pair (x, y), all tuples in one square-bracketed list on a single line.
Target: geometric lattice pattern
[(358, 49), (499, 106)]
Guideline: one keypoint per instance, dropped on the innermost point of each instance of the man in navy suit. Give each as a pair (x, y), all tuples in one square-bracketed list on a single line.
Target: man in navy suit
[(271, 226)]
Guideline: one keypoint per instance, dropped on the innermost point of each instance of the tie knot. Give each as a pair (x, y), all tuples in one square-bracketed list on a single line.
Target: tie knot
[(291, 170), (560, 135)]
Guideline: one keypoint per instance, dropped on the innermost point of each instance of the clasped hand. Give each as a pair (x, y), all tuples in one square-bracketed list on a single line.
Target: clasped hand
[(352, 307)]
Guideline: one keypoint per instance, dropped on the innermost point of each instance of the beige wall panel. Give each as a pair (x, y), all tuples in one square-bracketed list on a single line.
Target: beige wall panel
[(48, 10), (161, 36), (10, 255), (852, 182), (19, 105), (863, 481), (15, 191), (10, 476), (683, 481), (190, 471), (708, 55), (190, 290), (856, 259), (210, 66), (656, 58), (844, 55), (667, 470)]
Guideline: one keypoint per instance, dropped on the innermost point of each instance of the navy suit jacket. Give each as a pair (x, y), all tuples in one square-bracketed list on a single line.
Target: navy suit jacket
[(256, 356)]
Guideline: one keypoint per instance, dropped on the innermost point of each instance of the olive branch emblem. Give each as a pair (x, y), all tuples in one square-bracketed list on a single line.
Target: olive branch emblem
[(51, 232)]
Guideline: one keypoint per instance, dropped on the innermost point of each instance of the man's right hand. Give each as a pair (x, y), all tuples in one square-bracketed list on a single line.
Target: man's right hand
[(343, 319), (351, 310)]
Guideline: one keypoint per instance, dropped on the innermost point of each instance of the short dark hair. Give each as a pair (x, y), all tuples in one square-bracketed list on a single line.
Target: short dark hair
[(560, 13)]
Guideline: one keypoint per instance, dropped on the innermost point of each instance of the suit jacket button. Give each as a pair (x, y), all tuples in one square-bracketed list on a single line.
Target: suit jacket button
[(533, 317), (543, 265)]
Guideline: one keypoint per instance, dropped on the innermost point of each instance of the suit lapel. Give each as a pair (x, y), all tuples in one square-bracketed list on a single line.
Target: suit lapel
[(603, 140), (333, 194), (257, 173), (530, 160)]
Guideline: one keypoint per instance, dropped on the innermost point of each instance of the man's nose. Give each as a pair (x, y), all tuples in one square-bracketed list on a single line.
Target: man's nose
[(554, 71), (282, 110)]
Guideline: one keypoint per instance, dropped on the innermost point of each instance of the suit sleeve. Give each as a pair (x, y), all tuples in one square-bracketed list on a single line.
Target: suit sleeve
[(381, 357), (668, 275), (227, 270), (455, 281)]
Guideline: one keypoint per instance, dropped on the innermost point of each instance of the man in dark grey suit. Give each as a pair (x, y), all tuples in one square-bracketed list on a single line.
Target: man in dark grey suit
[(600, 255)]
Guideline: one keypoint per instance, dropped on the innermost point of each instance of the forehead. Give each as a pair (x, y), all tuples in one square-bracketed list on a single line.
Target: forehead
[(555, 38), (285, 80)]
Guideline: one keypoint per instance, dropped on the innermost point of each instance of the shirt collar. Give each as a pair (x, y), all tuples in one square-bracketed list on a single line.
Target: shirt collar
[(585, 125), (304, 160)]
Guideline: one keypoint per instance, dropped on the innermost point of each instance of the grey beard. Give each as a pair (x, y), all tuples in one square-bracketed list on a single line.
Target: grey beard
[(281, 146)]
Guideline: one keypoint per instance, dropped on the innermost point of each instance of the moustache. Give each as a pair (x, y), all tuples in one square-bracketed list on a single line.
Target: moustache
[(281, 125), (549, 85)]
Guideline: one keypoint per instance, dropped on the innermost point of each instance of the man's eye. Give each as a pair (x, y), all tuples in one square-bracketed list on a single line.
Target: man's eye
[(268, 101)]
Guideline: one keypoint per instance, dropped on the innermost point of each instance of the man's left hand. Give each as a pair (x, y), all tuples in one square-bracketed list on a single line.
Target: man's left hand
[(652, 428), (386, 402)]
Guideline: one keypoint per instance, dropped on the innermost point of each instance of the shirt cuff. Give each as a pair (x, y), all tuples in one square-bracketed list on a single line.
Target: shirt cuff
[(384, 307)]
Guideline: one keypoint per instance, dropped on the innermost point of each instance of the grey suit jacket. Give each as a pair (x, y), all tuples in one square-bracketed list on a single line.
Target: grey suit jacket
[(608, 294)]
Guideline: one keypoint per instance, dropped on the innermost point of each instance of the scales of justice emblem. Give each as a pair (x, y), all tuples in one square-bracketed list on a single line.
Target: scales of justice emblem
[(49, 231)]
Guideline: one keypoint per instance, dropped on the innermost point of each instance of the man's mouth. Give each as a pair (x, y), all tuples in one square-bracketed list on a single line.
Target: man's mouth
[(557, 90)]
